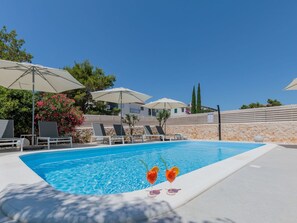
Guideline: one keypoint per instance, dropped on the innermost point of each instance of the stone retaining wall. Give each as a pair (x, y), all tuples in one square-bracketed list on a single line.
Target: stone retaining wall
[(278, 132)]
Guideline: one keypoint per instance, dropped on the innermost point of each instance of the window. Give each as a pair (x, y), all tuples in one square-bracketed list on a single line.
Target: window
[(154, 112), (175, 110), (141, 108), (149, 112), (183, 110), (134, 110)]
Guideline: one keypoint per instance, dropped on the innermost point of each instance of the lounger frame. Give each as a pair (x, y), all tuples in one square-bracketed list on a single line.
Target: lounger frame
[(48, 133), (7, 135)]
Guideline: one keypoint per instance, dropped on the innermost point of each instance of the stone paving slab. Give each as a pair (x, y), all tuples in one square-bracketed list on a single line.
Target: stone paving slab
[(264, 191)]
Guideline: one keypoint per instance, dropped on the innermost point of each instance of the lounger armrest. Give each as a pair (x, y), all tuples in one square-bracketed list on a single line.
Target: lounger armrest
[(154, 135), (102, 137), (9, 139), (50, 140), (12, 141), (138, 135), (162, 136), (43, 138), (117, 137), (54, 138)]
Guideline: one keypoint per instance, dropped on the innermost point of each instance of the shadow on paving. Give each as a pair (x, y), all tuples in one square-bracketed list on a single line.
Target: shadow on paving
[(288, 146), (220, 220), (174, 218), (41, 203)]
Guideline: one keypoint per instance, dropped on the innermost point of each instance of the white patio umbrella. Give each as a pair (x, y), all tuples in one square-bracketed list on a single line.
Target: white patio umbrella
[(27, 76), (120, 96), (165, 103), (292, 85)]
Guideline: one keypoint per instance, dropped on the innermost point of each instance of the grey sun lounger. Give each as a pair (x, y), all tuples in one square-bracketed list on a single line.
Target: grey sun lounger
[(176, 136), (48, 133), (99, 134), (7, 134), (149, 133), (120, 131)]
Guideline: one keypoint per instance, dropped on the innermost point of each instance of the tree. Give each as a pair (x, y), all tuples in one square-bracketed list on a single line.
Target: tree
[(271, 102), (15, 104), (94, 79), (162, 117), (96, 108), (11, 47), (256, 105), (198, 110), (193, 104), (130, 120), (244, 107)]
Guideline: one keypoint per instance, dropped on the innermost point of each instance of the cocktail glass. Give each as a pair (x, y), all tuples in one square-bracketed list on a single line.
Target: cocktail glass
[(170, 176), (151, 177)]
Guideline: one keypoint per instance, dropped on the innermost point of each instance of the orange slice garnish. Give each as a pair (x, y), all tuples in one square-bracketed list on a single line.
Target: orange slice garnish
[(155, 168), (176, 170)]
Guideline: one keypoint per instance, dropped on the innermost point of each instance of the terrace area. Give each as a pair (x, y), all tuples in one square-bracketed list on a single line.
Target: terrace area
[(262, 191)]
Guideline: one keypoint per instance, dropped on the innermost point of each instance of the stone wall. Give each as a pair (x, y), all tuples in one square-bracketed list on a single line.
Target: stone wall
[(276, 124), (278, 132), (83, 134)]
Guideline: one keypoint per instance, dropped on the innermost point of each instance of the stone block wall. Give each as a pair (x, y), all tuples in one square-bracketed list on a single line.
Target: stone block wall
[(277, 132), (83, 134)]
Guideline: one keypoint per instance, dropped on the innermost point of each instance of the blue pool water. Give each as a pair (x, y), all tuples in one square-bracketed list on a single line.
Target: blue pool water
[(118, 169)]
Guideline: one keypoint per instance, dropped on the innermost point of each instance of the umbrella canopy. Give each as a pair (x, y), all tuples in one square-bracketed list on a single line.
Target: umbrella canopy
[(120, 96), (27, 76), (165, 103), (16, 75), (292, 85)]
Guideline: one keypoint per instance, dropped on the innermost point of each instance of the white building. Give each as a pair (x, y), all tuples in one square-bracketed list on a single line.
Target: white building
[(139, 110), (179, 111)]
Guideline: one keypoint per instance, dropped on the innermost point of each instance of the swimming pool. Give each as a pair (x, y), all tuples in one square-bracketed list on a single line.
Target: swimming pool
[(26, 197), (118, 169)]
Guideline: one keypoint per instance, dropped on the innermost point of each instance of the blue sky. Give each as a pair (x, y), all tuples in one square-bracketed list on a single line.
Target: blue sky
[(240, 51)]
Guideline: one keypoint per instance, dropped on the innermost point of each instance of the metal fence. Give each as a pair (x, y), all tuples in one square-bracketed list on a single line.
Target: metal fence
[(267, 114)]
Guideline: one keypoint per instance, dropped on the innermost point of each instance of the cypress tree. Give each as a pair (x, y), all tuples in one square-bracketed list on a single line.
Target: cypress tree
[(193, 104), (199, 110)]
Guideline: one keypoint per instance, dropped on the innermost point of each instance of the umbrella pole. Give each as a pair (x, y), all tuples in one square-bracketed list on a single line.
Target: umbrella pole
[(165, 121), (33, 103), (121, 95)]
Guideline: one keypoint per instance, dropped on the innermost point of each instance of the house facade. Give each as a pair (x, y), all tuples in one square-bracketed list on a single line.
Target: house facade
[(140, 110)]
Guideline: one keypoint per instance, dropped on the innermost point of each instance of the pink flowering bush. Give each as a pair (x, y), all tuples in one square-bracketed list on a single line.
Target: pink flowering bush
[(61, 109)]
